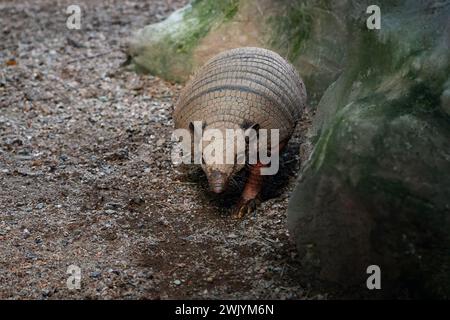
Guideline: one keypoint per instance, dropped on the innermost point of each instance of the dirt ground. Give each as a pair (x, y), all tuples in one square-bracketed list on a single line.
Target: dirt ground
[(86, 177)]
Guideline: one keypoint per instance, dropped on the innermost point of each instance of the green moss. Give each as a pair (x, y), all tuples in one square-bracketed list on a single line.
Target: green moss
[(203, 15), (292, 28), (327, 147), (372, 62), (422, 98), (165, 49), (321, 149)]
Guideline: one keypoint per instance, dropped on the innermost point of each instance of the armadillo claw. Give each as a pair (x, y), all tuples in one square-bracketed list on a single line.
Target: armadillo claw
[(243, 207)]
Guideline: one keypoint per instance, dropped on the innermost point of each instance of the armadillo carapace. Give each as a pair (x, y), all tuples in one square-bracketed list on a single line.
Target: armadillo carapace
[(242, 88)]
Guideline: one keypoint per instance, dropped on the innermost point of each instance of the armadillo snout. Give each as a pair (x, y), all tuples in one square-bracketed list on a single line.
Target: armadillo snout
[(217, 181)]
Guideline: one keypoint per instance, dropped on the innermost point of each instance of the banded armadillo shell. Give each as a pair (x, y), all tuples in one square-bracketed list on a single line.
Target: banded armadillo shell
[(243, 85)]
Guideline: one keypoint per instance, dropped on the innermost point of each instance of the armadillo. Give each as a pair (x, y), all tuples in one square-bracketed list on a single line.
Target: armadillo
[(242, 88)]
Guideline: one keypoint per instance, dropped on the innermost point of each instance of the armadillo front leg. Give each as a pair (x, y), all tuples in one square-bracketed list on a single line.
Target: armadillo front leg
[(253, 186), (247, 202)]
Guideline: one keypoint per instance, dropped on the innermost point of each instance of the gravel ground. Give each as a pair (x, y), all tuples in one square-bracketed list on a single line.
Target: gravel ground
[(86, 177)]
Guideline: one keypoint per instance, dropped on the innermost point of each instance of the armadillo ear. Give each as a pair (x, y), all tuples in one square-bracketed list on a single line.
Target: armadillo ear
[(248, 127), (250, 130), (197, 127)]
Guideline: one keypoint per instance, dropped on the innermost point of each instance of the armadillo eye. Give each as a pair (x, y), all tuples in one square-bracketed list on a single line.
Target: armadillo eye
[(240, 158)]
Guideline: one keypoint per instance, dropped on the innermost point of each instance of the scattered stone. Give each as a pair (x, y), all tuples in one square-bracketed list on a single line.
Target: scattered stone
[(113, 205), (40, 206), (26, 233)]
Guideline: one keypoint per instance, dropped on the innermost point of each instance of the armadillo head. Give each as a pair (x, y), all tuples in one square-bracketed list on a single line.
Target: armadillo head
[(216, 165), (218, 169), (219, 176)]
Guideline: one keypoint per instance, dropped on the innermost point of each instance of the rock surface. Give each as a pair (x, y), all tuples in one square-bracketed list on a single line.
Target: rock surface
[(376, 189), (305, 33), (166, 48)]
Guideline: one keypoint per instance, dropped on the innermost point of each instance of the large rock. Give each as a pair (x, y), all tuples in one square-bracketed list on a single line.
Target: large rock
[(376, 190), (173, 48), (308, 33)]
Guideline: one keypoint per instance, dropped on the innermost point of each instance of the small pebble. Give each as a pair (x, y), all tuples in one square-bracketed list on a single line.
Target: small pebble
[(26, 233), (40, 206)]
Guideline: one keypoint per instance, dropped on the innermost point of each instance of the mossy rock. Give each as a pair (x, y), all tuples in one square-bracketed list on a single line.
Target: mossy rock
[(376, 190), (307, 33), (167, 48)]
